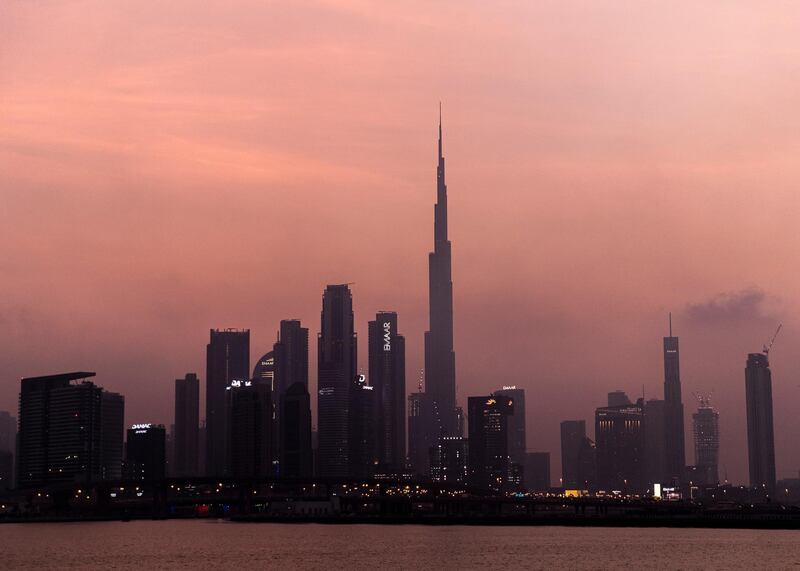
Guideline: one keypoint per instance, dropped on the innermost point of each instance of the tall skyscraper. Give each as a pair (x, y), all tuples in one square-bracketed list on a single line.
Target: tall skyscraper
[(250, 427), (760, 433), (706, 442), (227, 360), (387, 375), (67, 430), (449, 460), (655, 443), (337, 366), (517, 444), (296, 458), (620, 447), (673, 409), (145, 452), (440, 358), (8, 449), (291, 368), (572, 434), (264, 371), (488, 441), (187, 426)]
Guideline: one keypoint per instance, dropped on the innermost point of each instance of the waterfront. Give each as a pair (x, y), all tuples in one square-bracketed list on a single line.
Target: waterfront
[(220, 544)]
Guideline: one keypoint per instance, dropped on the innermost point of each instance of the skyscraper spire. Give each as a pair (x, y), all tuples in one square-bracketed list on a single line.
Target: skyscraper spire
[(440, 371)]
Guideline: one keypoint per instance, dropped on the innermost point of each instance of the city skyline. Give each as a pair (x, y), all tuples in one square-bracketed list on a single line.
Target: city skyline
[(563, 278)]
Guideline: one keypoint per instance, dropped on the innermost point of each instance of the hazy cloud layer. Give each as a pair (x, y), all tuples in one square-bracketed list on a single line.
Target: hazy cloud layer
[(745, 305)]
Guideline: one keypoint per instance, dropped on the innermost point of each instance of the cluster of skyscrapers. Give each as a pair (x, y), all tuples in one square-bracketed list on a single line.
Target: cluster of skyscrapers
[(258, 422)]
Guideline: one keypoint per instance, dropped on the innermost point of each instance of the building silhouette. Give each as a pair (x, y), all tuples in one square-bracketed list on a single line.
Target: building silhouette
[(146, 452), (706, 442), (67, 431), (587, 465), (673, 409), (488, 442), (536, 471), (296, 457), (760, 433), (656, 470), (517, 442), (264, 370), (440, 358), (387, 375), (186, 432), (363, 433), (619, 437), (227, 360), (573, 433), (337, 367), (250, 425), (291, 356), (8, 447)]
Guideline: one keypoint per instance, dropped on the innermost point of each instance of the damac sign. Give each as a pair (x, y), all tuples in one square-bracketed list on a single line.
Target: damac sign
[(387, 344)]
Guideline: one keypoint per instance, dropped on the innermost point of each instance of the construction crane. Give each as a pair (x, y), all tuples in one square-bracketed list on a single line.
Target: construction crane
[(767, 347)]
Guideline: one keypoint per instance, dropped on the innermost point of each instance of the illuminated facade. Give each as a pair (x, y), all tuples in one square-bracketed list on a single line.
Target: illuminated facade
[(760, 432), (387, 374), (619, 437), (227, 359), (706, 442), (449, 460), (488, 442)]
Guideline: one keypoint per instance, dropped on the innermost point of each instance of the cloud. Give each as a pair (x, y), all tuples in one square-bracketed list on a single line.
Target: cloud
[(746, 304)]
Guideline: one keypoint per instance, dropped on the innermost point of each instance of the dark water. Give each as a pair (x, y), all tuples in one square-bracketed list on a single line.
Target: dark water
[(206, 544)]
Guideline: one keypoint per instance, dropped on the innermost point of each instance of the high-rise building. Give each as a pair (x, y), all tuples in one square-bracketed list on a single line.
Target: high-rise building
[(655, 443), (8, 448), (536, 471), (227, 360), (422, 418), (67, 430), (440, 358), (517, 445), (673, 409), (760, 433), (587, 465), (488, 441), (618, 398), (112, 409), (291, 368), (619, 437), (291, 356), (337, 366), (296, 458), (706, 442), (146, 452), (187, 426), (363, 434), (572, 434), (264, 371), (387, 374), (449, 460), (250, 426)]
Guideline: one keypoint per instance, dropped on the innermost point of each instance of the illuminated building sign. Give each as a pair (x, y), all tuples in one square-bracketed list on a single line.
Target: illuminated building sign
[(143, 426), (387, 344), (241, 383), (510, 388)]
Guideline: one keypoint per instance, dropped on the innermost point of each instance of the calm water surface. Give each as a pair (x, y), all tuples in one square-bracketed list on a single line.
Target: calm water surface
[(206, 544)]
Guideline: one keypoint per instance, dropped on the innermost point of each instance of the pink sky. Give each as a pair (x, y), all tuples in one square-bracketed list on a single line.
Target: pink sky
[(170, 167)]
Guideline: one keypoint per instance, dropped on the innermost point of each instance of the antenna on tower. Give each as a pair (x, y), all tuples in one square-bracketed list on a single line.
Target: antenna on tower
[(767, 347), (670, 324)]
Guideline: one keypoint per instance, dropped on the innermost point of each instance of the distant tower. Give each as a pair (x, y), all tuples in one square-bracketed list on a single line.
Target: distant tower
[(673, 408), (488, 442), (227, 360), (187, 425), (619, 432), (337, 368), (387, 375), (706, 441), (440, 359), (760, 433), (573, 433), (517, 444)]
